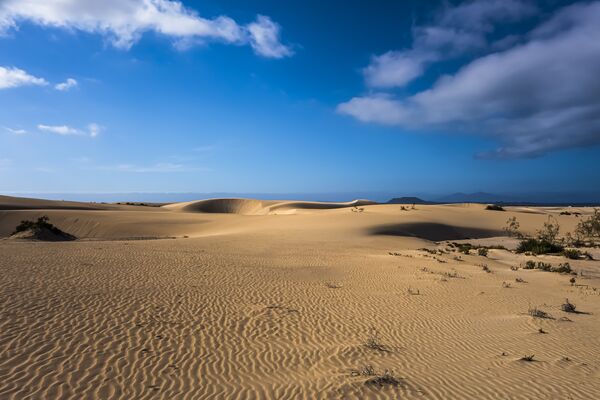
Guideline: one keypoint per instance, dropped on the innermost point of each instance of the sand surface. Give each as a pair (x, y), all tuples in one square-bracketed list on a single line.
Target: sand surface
[(249, 299)]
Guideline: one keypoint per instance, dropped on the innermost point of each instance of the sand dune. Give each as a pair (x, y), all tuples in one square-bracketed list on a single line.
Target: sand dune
[(257, 207), (278, 300)]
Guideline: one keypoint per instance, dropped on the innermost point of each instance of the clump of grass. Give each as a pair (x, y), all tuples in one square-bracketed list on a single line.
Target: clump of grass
[(386, 379), (375, 378), (537, 313), (572, 281), (485, 268), (529, 358), (538, 246), (562, 269), (482, 251), (568, 307), (494, 207), (506, 285), (572, 254), (530, 264)]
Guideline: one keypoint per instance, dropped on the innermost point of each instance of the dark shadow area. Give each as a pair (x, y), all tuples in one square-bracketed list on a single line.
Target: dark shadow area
[(434, 231)]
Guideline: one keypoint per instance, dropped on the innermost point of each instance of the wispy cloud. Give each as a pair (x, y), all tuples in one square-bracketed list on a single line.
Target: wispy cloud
[(539, 95), (15, 131), (123, 22), (11, 77), (66, 85), (92, 130)]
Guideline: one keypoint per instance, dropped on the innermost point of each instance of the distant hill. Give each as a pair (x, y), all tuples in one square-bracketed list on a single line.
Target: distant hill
[(408, 200)]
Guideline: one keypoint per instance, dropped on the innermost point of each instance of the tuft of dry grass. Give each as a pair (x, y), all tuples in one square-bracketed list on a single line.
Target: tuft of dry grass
[(529, 358), (373, 341), (568, 307)]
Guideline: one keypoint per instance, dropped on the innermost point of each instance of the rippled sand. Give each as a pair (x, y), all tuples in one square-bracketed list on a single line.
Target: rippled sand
[(282, 306)]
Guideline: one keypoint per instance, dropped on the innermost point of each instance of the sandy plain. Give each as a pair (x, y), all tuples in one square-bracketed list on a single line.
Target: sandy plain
[(248, 299)]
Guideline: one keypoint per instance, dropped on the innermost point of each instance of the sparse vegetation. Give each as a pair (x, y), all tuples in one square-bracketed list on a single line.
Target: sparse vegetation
[(537, 313), (519, 280), (377, 379), (485, 268), (536, 246), (512, 228), (563, 268), (494, 207), (529, 358), (587, 231), (41, 229), (482, 251), (506, 285), (572, 254), (374, 342), (39, 224)]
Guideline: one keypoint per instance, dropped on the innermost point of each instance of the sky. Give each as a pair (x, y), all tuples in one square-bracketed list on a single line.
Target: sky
[(237, 96)]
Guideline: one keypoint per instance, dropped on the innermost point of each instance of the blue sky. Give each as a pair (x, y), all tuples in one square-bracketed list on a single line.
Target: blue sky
[(299, 97)]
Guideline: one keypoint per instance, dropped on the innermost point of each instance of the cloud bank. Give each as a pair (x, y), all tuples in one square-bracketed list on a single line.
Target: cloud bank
[(123, 22), (66, 85), (540, 94)]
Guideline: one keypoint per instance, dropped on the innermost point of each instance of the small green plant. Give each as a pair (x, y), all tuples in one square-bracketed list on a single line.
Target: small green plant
[(572, 254), (538, 246), (482, 251), (529, 264), (564, 268)]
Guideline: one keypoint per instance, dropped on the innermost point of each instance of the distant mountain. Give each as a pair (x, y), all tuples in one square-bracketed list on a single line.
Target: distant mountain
[(408, 200)]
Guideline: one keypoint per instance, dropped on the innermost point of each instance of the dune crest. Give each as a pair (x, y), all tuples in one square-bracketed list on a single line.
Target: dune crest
[(257, 207)]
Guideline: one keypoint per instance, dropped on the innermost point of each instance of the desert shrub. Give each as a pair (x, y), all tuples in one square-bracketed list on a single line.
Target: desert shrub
[(549, 232), (544, 266), (572, 254), (482, 251), (485, 268), (538, 246), (562, 268), (537, 313), (386, 379), (589, 228), (565, 213), (568, 307), (530, 264), (38, 225), (494, 207), (512, 227), (374, 342)]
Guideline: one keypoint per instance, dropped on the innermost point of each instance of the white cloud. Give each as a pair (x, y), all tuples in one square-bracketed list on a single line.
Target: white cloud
[(93, 130), (455, 31), (535, 97), (264, 38), (15, 131), (63, 130), (123, 22), (11, 77), (66, 85)]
